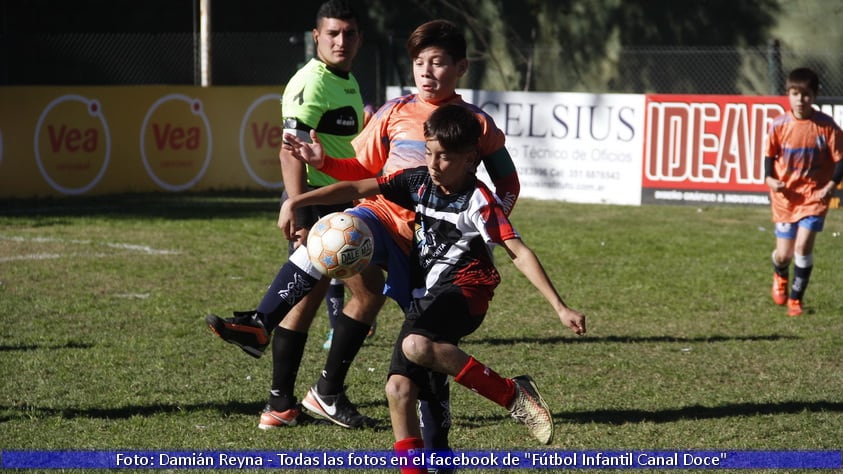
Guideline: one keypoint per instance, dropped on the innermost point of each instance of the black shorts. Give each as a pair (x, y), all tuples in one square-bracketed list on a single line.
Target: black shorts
[(308, 215), (443, 318)]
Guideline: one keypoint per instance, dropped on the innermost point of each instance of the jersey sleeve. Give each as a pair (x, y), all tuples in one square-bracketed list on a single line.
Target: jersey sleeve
[(301, 108), (372, 144), (371, 150), (345, 170), (498, 163), (773, 149), (835, 143), (493, 224), (401, 186)]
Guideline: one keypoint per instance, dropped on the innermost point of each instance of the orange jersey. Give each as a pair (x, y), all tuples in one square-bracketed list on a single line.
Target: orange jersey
[(394, 140), (805, 153)]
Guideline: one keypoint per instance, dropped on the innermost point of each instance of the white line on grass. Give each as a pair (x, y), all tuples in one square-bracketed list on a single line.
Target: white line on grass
[(46, 256)]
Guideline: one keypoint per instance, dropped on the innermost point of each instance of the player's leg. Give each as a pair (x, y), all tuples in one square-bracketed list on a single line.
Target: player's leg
[(405, 383), (803, 259), (334, 302), (288, 344), (781, 258), (327, 397), (438, 323), (435, 413), (250, 330), (401, 394), (519, 395)]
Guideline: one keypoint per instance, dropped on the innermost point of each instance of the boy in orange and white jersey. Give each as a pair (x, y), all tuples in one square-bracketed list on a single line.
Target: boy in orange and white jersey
[(803, 166)]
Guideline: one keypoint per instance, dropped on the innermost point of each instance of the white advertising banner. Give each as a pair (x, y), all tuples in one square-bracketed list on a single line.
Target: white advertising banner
[(575, 147)]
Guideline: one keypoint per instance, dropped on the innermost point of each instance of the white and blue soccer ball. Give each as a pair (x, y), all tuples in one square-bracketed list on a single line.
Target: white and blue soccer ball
[(340, 245)]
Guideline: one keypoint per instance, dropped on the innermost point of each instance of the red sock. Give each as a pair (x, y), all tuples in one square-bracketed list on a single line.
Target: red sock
[(410, 449), (485, 381)]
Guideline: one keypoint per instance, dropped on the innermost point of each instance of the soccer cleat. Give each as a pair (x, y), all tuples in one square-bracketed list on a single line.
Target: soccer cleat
[(274, 419), (779, 291), (245, 330), (336, 408), (328, 340), (794, 307), (529, 408)]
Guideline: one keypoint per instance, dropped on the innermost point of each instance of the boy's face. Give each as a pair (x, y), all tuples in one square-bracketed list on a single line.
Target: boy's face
[(436, 74), (337, 42), (449, 170), (801, 101)]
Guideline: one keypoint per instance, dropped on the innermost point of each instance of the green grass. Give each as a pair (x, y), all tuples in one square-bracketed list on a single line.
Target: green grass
[(103, 344)]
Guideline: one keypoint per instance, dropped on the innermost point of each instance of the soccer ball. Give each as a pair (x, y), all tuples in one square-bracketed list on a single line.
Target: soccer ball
[(340, 245)]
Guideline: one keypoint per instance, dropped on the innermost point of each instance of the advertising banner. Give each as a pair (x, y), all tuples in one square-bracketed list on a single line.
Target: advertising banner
[(59, 141), (573, 147), (623, 149), (707, 149)]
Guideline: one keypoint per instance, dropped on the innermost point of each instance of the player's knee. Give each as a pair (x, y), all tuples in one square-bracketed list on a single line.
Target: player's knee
[(417, 349), (399, 389)]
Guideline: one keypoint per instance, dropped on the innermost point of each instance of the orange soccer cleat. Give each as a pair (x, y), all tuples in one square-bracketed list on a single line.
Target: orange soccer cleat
[(794, 308), (779, 291)]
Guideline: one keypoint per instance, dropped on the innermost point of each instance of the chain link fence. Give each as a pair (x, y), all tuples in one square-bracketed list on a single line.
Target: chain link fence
[(271, 58)]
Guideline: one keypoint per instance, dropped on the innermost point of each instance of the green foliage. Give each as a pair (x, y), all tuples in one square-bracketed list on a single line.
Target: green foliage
[(104, 346), (572, 45)]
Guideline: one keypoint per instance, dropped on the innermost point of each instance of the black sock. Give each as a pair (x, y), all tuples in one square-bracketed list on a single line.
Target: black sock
[(334, 301), (800, 282), (287, 352), (348, 337), (291, 284), (435, 414), (781, 269)]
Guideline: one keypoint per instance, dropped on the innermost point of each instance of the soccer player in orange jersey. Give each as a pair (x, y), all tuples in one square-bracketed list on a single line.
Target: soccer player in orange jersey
[(803, 166)]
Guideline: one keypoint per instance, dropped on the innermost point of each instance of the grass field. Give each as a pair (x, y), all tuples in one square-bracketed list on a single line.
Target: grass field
[(103, 344)]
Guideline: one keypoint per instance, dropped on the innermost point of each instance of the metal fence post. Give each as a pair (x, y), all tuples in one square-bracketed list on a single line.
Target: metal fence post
[(774, 66)]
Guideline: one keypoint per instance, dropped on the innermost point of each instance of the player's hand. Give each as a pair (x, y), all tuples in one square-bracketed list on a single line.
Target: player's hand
[(573, 319), (310, 153), (774, 184), (287, 221), (827, 192)]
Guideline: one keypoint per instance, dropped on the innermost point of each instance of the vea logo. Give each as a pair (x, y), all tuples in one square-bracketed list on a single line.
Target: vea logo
[(72, 144), (261, 136), (175, 142)]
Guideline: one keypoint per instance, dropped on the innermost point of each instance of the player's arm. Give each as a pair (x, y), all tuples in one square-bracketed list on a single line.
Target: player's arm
[(775, 184), (528, 264), (502, 172), (293, 171), (835, 145), (313, 154), (337, 193)]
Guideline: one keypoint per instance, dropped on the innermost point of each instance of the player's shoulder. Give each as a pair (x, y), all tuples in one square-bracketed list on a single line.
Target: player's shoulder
[(823, 119), (781, 120)]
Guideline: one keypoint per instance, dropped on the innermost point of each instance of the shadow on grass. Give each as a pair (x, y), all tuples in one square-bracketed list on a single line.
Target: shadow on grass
[(38, 347), (610, 417), (698, 412), (694, 412), (26, 411), (494, 341), (228, 204)]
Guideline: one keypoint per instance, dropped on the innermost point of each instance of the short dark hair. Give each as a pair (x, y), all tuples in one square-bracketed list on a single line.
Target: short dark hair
[(438, 33), (803, 78), (455, 127), (339, 9)]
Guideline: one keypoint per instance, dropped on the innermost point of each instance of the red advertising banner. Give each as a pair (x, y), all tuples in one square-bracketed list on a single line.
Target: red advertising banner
[(707, 149)]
